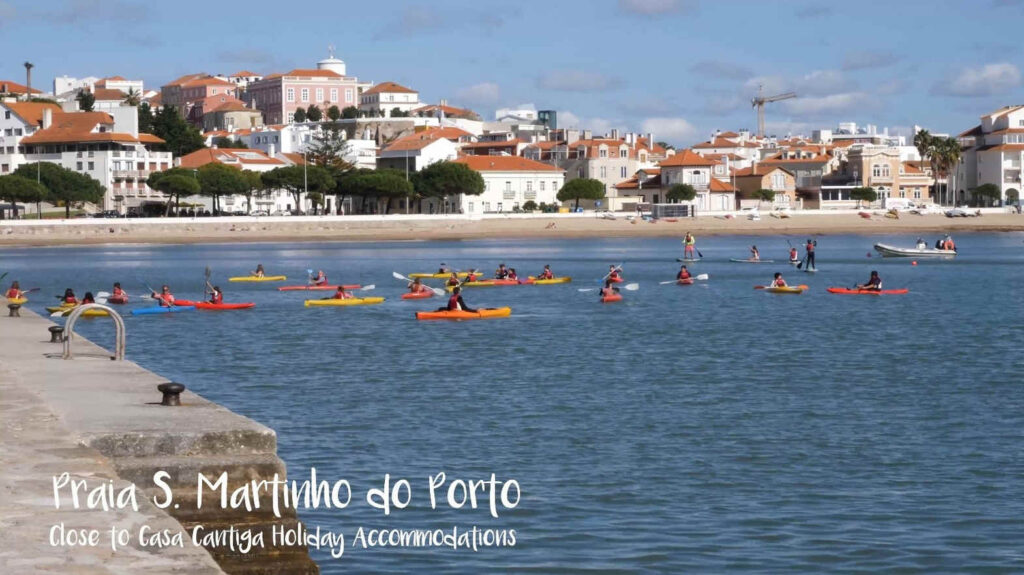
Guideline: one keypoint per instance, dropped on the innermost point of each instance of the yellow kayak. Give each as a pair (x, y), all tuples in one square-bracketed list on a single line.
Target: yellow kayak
[(18, 300), (256, 279), (561, 280), (350, 301), (786, 289), (67, 309), (438, 276)]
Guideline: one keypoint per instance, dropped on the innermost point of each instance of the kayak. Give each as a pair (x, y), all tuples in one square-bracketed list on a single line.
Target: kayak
[(160, 309), (785, 289), (794, 262), (750, 261), (687, 260), (438, 275), (458, 314), (888, 251), (534, 281), (18, 300), (344, 302), (483, 283), (209, 305), (611, 298), (685, 282), (117, 299), (418, 295), (67, 309), (318, 288), (257, 279), (849, 291)]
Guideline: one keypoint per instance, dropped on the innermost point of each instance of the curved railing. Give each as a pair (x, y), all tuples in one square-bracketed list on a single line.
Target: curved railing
[(69, 330)]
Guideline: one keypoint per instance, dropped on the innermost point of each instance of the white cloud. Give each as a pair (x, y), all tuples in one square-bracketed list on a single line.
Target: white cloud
[(482, 94), (576, 81), (656, 7), (830, 104), (675, 130), (816, 83), (989, 80), (598, 125)]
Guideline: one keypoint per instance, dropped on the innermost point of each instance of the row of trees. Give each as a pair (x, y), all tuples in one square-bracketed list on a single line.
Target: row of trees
[(314, 114), (51, 183), (942, 153)]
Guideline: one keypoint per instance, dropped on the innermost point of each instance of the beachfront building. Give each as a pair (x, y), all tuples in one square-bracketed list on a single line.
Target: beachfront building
[(386, 98), (993, 153), (509, 182), (808, 166), (688, 167), (877, 167), (270, 202), (416, 151), (758, 177), (279, 95), (111, 151), (17, 120)]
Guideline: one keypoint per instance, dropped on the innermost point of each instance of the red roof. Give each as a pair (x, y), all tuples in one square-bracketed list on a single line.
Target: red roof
[(686, 158), (389, 88), (8, 87), (424, 138), (243, 73), (505, 164), (233, 156), (313, 73), (108, 94), (449, 111), (756, 171), (720, 186), (32, 112)]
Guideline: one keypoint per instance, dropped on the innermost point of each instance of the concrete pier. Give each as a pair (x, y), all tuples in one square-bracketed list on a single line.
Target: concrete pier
[(100, 419)]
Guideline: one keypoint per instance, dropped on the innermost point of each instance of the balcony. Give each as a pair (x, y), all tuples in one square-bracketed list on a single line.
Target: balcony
[(131, 174), (1011, 176)]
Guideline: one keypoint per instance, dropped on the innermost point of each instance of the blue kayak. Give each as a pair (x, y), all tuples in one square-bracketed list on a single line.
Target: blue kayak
[(152, 310)]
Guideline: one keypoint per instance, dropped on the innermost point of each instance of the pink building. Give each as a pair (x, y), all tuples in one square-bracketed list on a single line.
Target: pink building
[(183, 92), (278, 95)]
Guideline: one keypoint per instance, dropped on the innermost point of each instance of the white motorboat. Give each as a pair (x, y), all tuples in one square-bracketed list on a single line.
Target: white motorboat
[(897, 252)]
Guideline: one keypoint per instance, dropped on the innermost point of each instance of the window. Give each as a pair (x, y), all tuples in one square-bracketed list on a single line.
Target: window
[(8, 132), (334, 98), (319, 94), (903, 192), (917, 193), (880, 170), (213, 91), (778, 181), (579, 173), (719, 168), (291, 95), (604, 172), (487, 206), (622, 153), (348, 95), (7, 116), (542, 185), (305, 94), (17, 131), (508, 195), (469, 205), (529, 186), (603, 153), (622, 172), (92, 166), (499, 206), (5, 167), (78, 166)]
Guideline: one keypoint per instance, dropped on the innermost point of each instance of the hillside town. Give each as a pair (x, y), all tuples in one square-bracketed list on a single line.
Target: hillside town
[(320, 141)]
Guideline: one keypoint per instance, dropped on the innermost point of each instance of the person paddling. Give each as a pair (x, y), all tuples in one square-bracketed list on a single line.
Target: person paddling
[(547, 274), (416, 286), (456, 303), (15, 291), (793, 256), (608, 290), (755, 256), (259, 271), (88, 298), (873, 284), (117, 293), (472, 276), (216, 296), (69, 297), (947, 243), (778, 281), (809, 253), (614, 274), (501, 273), (691, 245), (320, 279), (453, 280), (684, 274), (512, 275), (443, 269), (340, 293), (165, 297)]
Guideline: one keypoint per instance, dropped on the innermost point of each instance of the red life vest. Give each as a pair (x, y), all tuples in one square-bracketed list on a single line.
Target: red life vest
[(453, 302), (118, 292), (165, 299), (13, 293), (683, 275), (217, 297), (547, 275), (70, 299)]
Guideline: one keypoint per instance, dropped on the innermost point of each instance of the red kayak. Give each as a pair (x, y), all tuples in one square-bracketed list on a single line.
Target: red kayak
[(498, 282), (617, 280), (849, 291), (318, 288), (418, 295), (611, 298), (685, 282), (208, 305), (117, 299)]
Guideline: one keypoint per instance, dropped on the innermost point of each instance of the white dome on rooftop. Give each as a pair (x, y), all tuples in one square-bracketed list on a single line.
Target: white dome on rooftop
[(331, 63)]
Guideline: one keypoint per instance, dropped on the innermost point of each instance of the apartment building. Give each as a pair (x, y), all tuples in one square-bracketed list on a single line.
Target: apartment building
[(384, 98), (993, 153)]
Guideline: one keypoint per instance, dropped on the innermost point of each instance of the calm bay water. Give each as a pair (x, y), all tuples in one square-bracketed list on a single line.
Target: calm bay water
[(707, 428)]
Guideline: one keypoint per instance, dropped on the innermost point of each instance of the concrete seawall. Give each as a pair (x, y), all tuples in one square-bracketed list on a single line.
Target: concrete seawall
[(99, 419)]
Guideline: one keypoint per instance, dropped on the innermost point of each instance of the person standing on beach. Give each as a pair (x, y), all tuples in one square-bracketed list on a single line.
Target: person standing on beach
[(809, 255), (691, 246)]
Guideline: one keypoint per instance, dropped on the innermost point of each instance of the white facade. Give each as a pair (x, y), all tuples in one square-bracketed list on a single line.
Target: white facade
[(993, 154), (386, 97), (297, 138), (508, 191)]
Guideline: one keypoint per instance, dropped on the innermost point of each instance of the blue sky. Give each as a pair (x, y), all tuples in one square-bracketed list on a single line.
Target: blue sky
[(678, 68)]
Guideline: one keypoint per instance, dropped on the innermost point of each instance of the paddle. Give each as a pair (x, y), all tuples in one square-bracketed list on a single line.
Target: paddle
[(801, 286), (101, 296), (399, 276), (627, 287), (701, 277), (617, 268)]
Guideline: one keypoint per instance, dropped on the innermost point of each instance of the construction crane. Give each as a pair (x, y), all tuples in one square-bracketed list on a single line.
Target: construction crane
[(759, 103)]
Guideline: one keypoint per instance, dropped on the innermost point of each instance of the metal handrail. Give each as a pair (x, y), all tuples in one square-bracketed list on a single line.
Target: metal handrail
[(119, 338)]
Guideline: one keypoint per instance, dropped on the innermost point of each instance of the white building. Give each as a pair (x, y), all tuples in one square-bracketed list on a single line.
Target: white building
[(275, 201), (297, 138), (67, 88), (509, 182), (414, 152), (109, 148), (993, 153), (687, 167), (384, 98)]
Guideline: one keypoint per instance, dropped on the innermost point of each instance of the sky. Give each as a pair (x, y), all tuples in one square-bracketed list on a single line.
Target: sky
[(680, 69)]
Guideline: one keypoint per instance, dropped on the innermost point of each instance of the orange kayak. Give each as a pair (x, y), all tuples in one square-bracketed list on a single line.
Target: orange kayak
[(418, 295), (611, 298), (459, 314)]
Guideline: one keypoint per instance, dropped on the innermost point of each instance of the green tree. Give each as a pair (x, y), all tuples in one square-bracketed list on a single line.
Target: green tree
[(397, 112), (443, 179), (681, 193), (333, 114), (297, 180), (764, 194), (216, 180), (226, 142), (175, 183), (85, 100), (180, 137), (383, 185), (14, 188), (313, 113), (864, 194), (132, 97), (665, 145), (317, 201), (328, 148), (145, 118), (529, 206), (350, 112), (300, 115), (925, 144), (581, 189), (989, 192), (947, 155), (253, 186), (62, 185)]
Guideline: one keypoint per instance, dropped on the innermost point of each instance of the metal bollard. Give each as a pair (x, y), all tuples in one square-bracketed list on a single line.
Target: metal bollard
[(172, 392), (14, 309), (56, 334)]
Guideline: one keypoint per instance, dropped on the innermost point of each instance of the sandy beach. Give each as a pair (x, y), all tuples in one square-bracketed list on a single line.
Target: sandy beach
[(363, 228)]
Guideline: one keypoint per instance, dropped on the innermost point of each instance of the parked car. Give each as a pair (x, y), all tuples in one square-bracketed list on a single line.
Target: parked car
[(259, 213), (281, 213)]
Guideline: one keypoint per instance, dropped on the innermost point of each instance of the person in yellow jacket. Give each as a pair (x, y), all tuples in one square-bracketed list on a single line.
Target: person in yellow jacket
[(691, 246)]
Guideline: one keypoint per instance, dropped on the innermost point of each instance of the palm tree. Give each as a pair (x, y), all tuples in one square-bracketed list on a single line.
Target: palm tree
[(948, 151), (925, 144), (132, 98)]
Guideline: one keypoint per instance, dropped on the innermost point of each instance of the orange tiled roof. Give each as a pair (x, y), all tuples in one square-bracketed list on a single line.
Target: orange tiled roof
[(311, 73), (728, 135), (720, 186), (73, 127), (296, 159), (32, 112), (243, 73), (717, 143), (389, 88), (8, 87), (451, 111), (207, 81), (1002, 148), (156, 100), (757, 171), (686, 158), (149, 138), (417, 141), (108, 94), (505, 164), (186, 79), (233, 156)]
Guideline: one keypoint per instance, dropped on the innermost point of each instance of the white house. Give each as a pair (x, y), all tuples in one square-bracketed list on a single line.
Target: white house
[(687, 167), (417, 151), (993, 153), (383, 98), (276, 201), (509, 182)]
